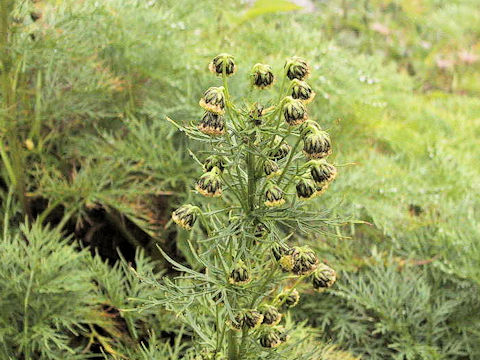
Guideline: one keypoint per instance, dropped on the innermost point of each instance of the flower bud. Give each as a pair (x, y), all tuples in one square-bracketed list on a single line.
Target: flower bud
[(286, 260), (322, 172), (278, 250), (294, 111), (214, 161), (252, 319), (210, 183), (240, 274), (271, 316), (324, 277), (185, 216), (238, 323), (260, 231), (271, 168), (255, 114), (209, 355), (302, 91), (274, 196), (270, 338), (304, 260), (288, 298), (262, 76), (222, 61), (310, 126), (213, 100), (306, 189), (280, 150), (297, 68), (317, 145), (212, 124)]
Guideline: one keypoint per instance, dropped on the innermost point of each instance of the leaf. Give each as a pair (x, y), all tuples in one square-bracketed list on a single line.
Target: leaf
[(263, 7)]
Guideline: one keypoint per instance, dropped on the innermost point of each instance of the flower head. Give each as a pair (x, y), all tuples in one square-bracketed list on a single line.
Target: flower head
[(302, 91), (294, 111), (274, 196), (252, 319), (306, 189), (271, 168), (288, 298), (279, 250), (213, 100), (324, 277), (304, 260), (271, 316), (210, 183), (262, 76), (185, 216), (322, 172), (317, 145), (240, 274), (270, 338), (280, 150), (212, 124), (297, 68), (256, 113), (214, 161), (221, 62)]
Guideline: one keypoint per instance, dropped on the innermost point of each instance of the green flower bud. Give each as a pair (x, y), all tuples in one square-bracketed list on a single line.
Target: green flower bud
[(252, 319), (294, 111), (322, 172), (222, 61), (262, 76), (324, 277), (297, 68), (214, 161), (271, 168), (260, 231), (256, 113), (280, 150), (288, 298), (209, 355), (302, 91), (212, 124), (210, 183), (238, 323), (274, 196), (185, 216), (306, 189), (279, 250), (271, 316), (213, 100), (317, 145), (304, 260), (286, 260), (310, 126), (240, 274), (270, 338)]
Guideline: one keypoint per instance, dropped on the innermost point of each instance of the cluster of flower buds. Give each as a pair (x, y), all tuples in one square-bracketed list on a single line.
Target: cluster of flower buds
[(247, 319)]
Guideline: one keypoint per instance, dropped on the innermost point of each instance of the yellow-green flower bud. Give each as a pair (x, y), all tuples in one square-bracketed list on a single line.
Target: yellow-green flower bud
[(280, 150), (240, 274), (271, 168), (185, 216), (273, 196), (270, 338), (209, 355), (214, 161), (238, 323), (310, 126), (297, 68), (279, 250), (324, 277), (306, 189), (294, 111), (317, 145), (210, 183), (288, 298), (304, 260), (213, 100), (212, 124), (255, 114), (252, 319), (271, 316), (262, 76), (302, 91), (322, 172), (221, 62)]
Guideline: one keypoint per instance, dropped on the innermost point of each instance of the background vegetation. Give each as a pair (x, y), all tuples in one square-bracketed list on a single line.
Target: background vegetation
[(91, 169)]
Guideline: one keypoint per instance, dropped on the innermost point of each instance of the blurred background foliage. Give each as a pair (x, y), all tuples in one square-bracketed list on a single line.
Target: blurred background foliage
[(86, 88)]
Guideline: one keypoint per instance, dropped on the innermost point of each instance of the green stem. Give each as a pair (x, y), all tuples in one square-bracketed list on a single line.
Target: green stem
[(290, 158), (232, 345)]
